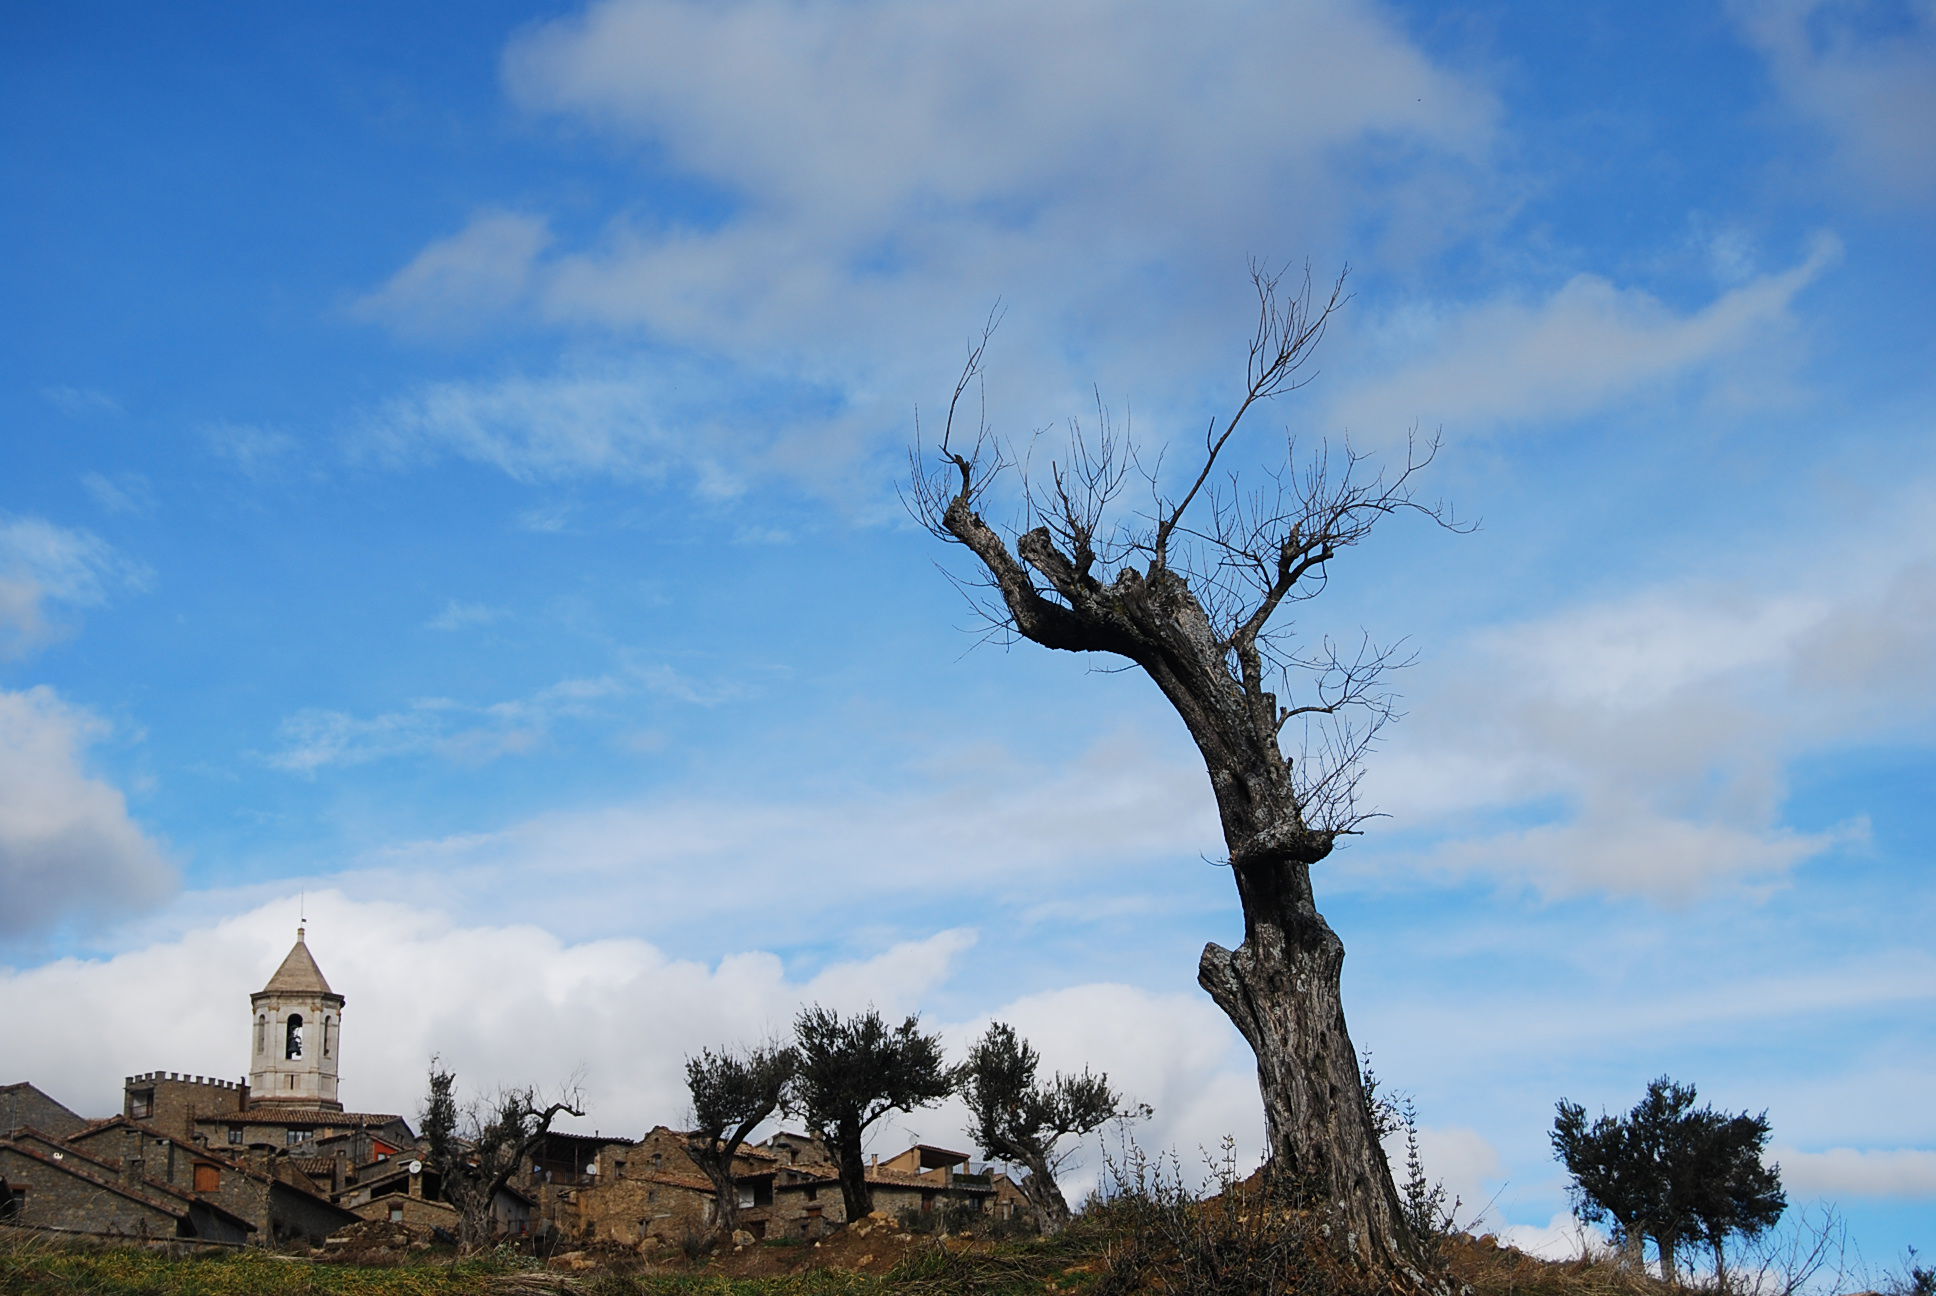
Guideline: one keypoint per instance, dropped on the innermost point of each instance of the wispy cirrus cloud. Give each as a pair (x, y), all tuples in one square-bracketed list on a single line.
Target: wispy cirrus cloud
[(1864, 73), (81, 402), (460, 614), (45, 566), (129, 493), (1641, 743), (459, 283), (256, 451), (317, 738), (1589, 346)]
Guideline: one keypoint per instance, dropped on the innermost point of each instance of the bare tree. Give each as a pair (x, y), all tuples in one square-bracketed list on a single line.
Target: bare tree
[(1204, 576), (479, 1147), (732, 1093), (1019, 1120)]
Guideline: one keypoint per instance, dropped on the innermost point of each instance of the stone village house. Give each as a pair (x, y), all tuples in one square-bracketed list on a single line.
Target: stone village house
[(276, 1159)]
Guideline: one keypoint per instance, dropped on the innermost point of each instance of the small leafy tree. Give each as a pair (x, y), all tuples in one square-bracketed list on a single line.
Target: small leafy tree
[(1021, 1121), (852, 1072), (478, 1147), (1670, 1172), (732, 1092)]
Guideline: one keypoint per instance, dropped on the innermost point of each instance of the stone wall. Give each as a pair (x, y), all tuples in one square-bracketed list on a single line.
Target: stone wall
[(170, 1101), (62, 1197)]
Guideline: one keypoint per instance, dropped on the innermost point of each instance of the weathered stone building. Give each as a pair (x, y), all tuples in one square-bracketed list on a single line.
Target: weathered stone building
[(24, 1106), (55, 1187), (276, 1159)]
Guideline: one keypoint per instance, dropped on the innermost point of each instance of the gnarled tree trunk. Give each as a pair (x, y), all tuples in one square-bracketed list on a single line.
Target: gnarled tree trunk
[(1191, 604), (1280, 987)]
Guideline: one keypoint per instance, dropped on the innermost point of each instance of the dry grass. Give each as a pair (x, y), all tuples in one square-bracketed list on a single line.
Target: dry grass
[(1229, 1244), (1493, 1270)]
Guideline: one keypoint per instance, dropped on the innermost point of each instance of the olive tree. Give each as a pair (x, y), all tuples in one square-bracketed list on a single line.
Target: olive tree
[(1670, 1172), (732, 1092), (1195, 587), (1021, 1120), (855, 1070)]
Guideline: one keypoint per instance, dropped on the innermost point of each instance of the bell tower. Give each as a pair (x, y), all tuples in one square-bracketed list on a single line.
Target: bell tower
[(296, 1035)]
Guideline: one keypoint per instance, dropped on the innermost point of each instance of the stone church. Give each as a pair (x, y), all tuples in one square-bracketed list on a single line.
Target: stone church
[(290, 1100)]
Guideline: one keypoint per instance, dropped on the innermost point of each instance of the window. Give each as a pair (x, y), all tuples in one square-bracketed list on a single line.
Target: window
[(396, 1214), (208, 1178), (235, 1134), (295, 1136), (329, 1036), (261, 1032), (141, 1103), (14, 1205), (813, 1193), (294, 1037)]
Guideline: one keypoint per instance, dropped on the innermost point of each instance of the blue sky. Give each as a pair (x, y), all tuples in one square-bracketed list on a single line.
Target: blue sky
[(450, 468)]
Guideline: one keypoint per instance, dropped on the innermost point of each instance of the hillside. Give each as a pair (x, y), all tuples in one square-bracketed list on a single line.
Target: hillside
[(1114, 1256)]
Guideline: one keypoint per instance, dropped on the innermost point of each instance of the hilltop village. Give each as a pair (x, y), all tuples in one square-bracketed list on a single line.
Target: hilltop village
[(277, 1160)]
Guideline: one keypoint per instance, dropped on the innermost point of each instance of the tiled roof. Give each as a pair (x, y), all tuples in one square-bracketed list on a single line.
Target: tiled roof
[(109, 1122), (299, 1116), (102, 1174), (601, 1140), (894, 1179)]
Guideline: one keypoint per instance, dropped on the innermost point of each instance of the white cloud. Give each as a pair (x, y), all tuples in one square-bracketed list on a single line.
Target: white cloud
[(851, 117), (884, 173), (1858, 1172), (80, 402), (999, 828), (68, 847), (1560, 1238), (316, 738), (1461, 1161), (633, 421), (458, 614), (130, 493), (1588, 346), (1865, 72), (43, 564), (1641, 743), (256, 452), (618, 1013), (455, 284)]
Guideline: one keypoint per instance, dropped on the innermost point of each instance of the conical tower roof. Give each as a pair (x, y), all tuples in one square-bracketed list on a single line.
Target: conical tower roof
[(298, 973)]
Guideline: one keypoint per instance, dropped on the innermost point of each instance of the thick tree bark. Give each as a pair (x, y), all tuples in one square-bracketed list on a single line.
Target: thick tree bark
[(715, 1159), (1281, 989), (1212, 652), (1043, 1193), (855, 1194), (1281, 985)]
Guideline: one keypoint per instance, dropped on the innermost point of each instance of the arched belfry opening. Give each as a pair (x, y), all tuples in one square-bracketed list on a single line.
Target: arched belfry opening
[(298, 1035)]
